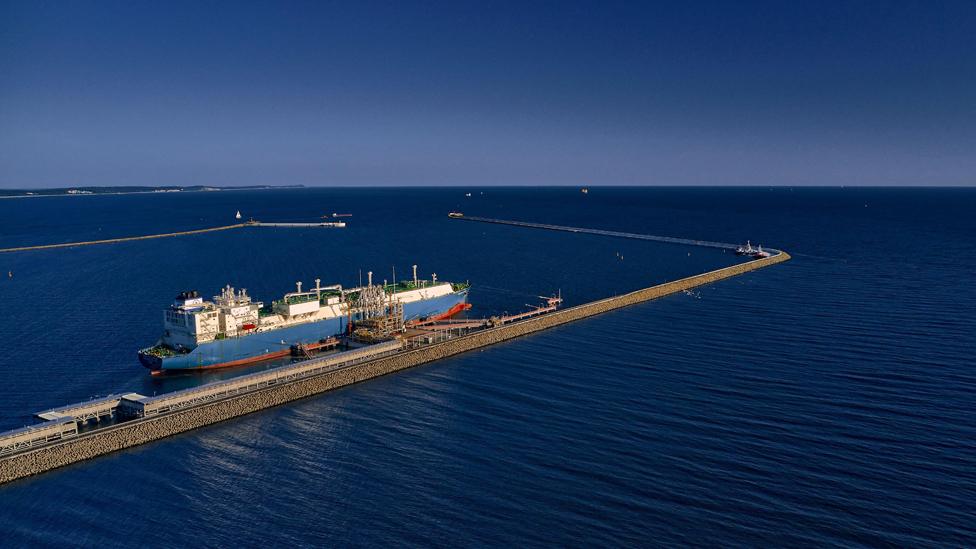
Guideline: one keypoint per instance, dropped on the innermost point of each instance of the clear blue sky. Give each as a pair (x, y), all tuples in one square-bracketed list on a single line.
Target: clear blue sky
[(387, 93)]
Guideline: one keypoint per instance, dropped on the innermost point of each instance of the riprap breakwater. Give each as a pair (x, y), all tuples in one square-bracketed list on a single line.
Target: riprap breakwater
[(136, 432)]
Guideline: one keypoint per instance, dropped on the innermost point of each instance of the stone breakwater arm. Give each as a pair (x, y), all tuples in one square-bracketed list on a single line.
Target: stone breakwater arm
[(121, 239), (133, 433), (166, 235)]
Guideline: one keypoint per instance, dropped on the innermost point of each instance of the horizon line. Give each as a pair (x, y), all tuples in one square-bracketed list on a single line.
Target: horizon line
[(297, 186)]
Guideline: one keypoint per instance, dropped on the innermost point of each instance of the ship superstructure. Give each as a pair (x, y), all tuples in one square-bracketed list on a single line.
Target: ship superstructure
[(232, 329)]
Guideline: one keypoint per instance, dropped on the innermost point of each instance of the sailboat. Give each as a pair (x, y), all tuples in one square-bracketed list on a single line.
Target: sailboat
[(238, 216)]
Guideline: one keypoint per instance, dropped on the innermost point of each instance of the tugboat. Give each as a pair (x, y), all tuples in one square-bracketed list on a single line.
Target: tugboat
[(745, 250), (759, 253), (748, 250)]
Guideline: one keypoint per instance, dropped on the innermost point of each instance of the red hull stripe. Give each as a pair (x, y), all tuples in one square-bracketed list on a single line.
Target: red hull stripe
[(243, 361), (450, 312), (278, 354), (453, 311)]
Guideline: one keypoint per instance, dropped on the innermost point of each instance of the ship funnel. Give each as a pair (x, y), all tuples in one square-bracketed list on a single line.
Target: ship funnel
[(415, 275), (369, 278), (299, 286)]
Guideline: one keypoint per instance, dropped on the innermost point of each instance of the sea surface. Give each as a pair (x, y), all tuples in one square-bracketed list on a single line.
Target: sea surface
[(828, 401)]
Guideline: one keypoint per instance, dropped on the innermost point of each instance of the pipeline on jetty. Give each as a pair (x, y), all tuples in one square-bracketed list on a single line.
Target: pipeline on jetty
[(58, 442), (251, 223), (667, 239)]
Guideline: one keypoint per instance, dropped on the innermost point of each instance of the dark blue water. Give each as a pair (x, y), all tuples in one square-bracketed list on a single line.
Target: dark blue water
[(827, 401)]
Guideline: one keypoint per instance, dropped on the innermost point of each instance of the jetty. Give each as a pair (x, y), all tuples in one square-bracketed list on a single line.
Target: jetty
[(600, 232), (336, 224), (59, 441), (250, 223)]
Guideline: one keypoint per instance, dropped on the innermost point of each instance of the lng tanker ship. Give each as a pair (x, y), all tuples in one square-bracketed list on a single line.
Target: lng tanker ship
[(233, 330)]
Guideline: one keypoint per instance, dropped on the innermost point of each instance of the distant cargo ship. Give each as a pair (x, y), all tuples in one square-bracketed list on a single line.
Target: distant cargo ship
[(233, 330)]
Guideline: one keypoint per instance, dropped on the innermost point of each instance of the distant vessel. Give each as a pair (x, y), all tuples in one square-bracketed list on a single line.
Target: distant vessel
[(757, 252), (233, 330), (584, 190), (455, 215), (745, 250), (468, 195), (340, 215), (238, 216)]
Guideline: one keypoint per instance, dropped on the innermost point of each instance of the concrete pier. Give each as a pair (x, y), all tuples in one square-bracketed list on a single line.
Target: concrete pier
[(132, 433)]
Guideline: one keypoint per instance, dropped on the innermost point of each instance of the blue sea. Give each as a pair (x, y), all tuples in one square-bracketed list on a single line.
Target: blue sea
[(827, 401)]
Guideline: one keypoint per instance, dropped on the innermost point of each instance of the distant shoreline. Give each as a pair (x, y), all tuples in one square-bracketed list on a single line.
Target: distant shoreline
[(102, 191)]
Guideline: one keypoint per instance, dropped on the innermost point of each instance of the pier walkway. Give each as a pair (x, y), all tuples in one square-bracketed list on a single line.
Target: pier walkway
[(81, 412)]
